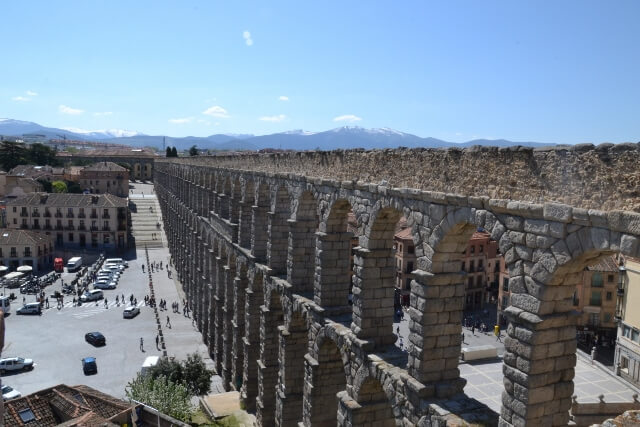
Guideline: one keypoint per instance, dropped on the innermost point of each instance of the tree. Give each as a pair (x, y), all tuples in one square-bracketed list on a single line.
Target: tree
[(192, 373), (12, 154), (40, 154), (59, 187), (74, 187), (160, 393), (193, 151), (174, 152), (46, 185), (168, 152)]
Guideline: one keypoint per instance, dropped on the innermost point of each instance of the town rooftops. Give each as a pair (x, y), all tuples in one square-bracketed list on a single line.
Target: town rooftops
[(32, 171), (64, 405), (608, 264), (119, 152), (9, 236), (66, 200), (104, 167), (404, 234)]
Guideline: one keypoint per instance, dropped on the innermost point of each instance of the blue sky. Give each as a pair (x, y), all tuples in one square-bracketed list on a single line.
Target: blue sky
[(548, 71)]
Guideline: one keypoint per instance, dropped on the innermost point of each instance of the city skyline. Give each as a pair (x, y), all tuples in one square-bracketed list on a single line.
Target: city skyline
[(557, 73)]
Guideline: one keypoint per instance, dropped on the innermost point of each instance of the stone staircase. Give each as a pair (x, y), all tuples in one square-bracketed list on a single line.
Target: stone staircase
[(143, 222)]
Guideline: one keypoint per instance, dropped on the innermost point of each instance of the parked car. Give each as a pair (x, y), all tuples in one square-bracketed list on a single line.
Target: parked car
[(114, 267), (130, 312), (93, 295), (89, 366), (104, 284), (95, 338), (31, 308), (9, 393), (12, 364)]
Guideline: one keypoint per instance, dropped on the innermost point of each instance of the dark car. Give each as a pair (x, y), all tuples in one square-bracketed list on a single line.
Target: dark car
[(95, 338), (89, 366)]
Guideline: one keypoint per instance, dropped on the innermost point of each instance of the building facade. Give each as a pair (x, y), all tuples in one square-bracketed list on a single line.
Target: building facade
[(25, 247), (405, 264), (485, 270), (140, 161), (87, 221), (627, 354), (105, 177)]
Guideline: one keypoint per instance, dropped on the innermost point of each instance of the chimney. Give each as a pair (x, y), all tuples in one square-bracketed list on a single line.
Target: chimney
[(94, 199)]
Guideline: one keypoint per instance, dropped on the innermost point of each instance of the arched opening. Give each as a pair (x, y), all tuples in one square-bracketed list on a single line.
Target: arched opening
[(302, 245), (259, 225), (224, 199), (236, 197), (334, 251), (240, 292), (293, 346), (219, 285), (228, 313), (271, 318), (373, 284), (328, 380), (279, 232), (374, 406), (254, 300), (246, 214)]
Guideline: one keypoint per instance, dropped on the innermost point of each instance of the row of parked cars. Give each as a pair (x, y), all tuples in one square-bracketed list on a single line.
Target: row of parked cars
[(106, 278)]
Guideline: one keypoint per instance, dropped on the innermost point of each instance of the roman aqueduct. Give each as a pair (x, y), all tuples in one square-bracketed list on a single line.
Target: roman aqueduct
[(260, 243)]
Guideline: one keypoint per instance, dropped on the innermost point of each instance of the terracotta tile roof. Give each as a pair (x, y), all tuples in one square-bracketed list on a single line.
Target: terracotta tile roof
[(404, 234), (480, 235), (33, 171), (608, 264), (9, 236), (72, 406), (64, 200), (104, 166), (121, 152)]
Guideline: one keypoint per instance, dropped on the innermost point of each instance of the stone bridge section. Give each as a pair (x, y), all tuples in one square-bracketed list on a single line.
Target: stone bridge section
[(264, 258)]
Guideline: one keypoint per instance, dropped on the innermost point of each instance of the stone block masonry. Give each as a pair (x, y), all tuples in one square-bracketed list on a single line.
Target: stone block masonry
[(261, 244)]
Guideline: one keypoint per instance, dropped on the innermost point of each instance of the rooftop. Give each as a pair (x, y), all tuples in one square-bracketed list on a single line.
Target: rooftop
[(105, 166), (33, 171), (10, 236), (608, 264), (119, 152), (70, 200)]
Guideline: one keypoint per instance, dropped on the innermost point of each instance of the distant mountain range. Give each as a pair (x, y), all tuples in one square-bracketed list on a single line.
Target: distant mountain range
[(339, 138)]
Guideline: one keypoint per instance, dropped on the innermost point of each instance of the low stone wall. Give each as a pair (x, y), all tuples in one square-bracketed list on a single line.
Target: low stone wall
[(587, 414), (604, 177)]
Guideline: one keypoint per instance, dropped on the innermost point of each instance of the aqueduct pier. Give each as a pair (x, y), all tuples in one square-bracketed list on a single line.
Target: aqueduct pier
[(260, 243)]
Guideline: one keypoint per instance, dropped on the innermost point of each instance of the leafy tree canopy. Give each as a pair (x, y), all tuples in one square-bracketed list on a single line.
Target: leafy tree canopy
[(59, 187), (193, 151), (192, 373), (174, 152), (166, 396)]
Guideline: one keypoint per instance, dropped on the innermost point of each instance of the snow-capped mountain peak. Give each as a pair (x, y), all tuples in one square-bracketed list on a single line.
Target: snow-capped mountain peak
[(102, 134), (298, 132)]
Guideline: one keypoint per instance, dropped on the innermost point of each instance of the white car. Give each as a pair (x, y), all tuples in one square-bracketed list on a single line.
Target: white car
[(104, 284), (15, 364), (130, 312), (9, 393), (93, 295), (109, 272)]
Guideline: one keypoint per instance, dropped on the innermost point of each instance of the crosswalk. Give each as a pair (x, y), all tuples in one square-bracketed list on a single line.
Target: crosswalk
[(88, 309)]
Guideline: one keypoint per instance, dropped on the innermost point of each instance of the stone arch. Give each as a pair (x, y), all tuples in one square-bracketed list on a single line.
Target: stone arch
[(241, 283), (373, 283), (326, 376), (253, 302), (246, 214), (259, 225), (332, 282), (302, 244), (374, 402), (279, 231), (293, 346), (235, 199), (271, 318)]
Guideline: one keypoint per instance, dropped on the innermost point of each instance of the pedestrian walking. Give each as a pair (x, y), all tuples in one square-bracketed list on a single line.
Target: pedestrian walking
[(168, 322), (473, 330), (157, 340), (498, 336), (143, 268), (141, 344), (463, 338)]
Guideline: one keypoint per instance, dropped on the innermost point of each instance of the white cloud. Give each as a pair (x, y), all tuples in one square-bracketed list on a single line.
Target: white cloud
[(216, 111), (68, 110), (21, 98), (283, 98), (347, 118), (278, 118), (103, 113), (181, 121), (246, 35), (32, 93)]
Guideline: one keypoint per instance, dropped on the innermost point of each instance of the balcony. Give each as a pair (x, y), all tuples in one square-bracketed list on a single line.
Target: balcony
[(24, 214), (70, 227), (70, 215), (35, 214), (94, 228), (47, 214), (24, 226), (58, 215), (122, 227), (93, 215), (13, 254), (122, 216), (106, 216), (81, 215), (59, 227), (36, 226), (27, 254), (47, 227), (595, 302), (107, 228), (82, 228), (620, 292)]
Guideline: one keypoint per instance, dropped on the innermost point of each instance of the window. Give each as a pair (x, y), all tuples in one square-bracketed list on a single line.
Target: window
[(505, 284), (15, 209), (596, 280), (463, 266), (27, 251), (13, 252), (409, 267), (479, 264), (610, 278), (576, 300), (624, 364), (470, 282), (505, 302), (634, 334), (408, 284), (472, 266), (479, 281), (472, 249), (626, 331), (607, 317), (400, 246), (106, 239), (15, 220), (481, 248), (71, 237), (26, 415), (410, 249), (594, 319), (70, 223), (596, 298), (106, 225), (609, 296)]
